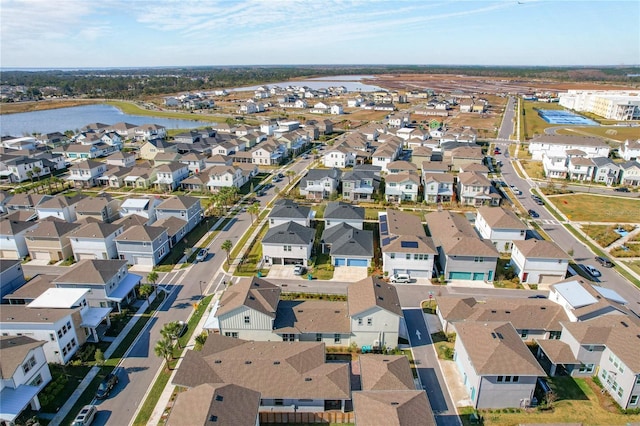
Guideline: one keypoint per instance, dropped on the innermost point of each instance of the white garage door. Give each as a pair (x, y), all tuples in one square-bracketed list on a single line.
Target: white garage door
[(9, 254), (89, 256), (143, 261), (41, 255), (549, 279)]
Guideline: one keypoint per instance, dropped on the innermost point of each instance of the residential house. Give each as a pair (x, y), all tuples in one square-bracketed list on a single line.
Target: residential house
[(359, 185), (630, 150), (559, 144), (461, 253), (13, 244), (419, 154), (498, 369), (95, 240), (125, 130), (150, 132), (339, 157), (21, 168), (405, 245), (24, 374), (143, 245), (630, 173), (476, 190), (224, 404), (182, 207), (375, 313), (111, 284), (102, 208), (348, 246), (149, 149), (163, 158), (288, 244), (195, 162), (581, 168), (438, 187), (91, 149), (501, 226), (176, 228), (539, 261), (285, 211), (320, 184), (607, 171), (402, 187), (384, 155), (337, 212), (115, 177), (295, 376), (225, 177), (143, 206), (461, 156), (396, 167), (604, 347), (11, 276), (435, 167), (532, 318), (555, 165), (86, 173), (53, 140), (50, 240), (61, 207), (169, 176), (268, 153)]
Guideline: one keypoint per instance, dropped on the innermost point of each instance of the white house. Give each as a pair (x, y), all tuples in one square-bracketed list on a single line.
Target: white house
[(95, 240), (559, 144), (339, 157), (143, 245), (539, 261), (501, 226), (288, 244), (13, 244), (25, 373), (402, 187), (438, 187), (338, 212), (285, 211), (630, 150)]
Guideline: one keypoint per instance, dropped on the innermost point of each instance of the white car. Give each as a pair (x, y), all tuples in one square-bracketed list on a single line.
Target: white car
[(299, 270), (400, 278), (592, 271), (202, 255)]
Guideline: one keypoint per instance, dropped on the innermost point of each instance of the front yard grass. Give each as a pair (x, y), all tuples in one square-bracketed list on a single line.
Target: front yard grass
[(597, 208), (444, 345), (533, 168), (579, 401), (619, 134), (322, 269), (634, 265), (604, 234), (249, 263)]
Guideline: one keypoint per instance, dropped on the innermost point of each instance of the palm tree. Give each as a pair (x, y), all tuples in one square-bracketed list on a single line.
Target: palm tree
[(152, 278), (254, 210), (289, 174), (164, 349), (226, 246), (30, 175), (170, 331), (36, 171)]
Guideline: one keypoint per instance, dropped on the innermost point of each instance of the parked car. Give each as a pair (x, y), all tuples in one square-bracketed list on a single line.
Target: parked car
[(592, 271), (604, 262), (622, 189), (533, 213), (516, 190), (299, 270), (85, 416), (106, 386), (183, 328), (202, 255), (400, 278)]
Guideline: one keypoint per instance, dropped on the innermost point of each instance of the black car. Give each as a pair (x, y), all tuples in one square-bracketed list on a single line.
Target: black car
[(106, 386), (622, 189), (533, 213), (604, 262)]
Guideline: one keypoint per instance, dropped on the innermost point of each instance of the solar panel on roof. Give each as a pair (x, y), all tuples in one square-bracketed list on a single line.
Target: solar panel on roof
[(409, 244), (384, 229), (386, 241)]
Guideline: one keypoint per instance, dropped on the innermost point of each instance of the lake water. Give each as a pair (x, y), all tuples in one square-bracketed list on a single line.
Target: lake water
[(63, 119), (351, 82)]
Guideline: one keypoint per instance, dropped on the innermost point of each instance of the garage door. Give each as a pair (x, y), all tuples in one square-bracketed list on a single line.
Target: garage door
[(549, 279), (339, 261), (419, 273), (478, 276), (460, 275), (140, 260), (292, 261), (83, 256), (41, 255), (357, 262), (9, 254)]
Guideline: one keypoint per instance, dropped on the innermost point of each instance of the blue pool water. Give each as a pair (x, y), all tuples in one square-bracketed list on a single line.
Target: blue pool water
[(557, 116)]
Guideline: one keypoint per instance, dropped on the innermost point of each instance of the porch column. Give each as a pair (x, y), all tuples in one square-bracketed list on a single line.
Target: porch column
[(552, 371), (94, 333), (35, 403), (108, 321)]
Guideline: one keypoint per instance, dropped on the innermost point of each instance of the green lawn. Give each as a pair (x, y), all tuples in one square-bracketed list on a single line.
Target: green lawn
[(602, 234), (619, 134), (533, 123), (596, 208)]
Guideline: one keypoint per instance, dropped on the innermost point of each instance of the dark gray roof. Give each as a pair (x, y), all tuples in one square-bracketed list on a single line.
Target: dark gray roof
[(289, 210), (289, 233), (603, 161), (348, 241), (340, 210), (318, 174)]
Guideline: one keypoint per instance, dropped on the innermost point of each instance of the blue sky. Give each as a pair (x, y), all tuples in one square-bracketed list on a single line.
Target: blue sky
[(127, 33)]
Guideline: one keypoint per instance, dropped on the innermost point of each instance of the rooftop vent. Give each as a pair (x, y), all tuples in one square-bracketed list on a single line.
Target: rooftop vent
[(276, 362), (219, 398), (395, 403), (247, 362), (218, 361), (307, 379), (213, 418)]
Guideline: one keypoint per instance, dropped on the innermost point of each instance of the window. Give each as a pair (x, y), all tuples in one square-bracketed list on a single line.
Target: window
[(247, 320), (359, 321), (52, 337), (369, 321), (392, 255), (68, 325), (500, 379), (60, 334), (29, 364), (37, 381), (318, 337), (288, 338), (638, 380), (507, 379), (478, 259), (64, 351), (336, 338), (408, 256), (278, 402), (633, 400), (73, 343), (287, 248), (524, 334)]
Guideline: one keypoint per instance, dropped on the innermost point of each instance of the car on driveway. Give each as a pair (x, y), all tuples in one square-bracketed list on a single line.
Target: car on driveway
[(592, 271), (202, 255), (604, 262), (400, 278), (299, 270), (534, 214), (106, 386)]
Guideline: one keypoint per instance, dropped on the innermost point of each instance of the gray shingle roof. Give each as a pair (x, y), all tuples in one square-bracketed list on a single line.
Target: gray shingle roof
[(254, 293), (289, 233), (346, 240), (288, 209), (92, 271), (340, 210)]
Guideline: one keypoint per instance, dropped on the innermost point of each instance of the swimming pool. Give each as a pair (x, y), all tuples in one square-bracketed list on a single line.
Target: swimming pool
[(558, 116)]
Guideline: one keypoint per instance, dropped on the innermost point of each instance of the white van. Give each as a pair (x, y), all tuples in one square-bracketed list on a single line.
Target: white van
[(400, 278), (85, 416)]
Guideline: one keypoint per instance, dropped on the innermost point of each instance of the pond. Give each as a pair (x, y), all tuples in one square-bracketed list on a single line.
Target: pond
[(74, 118)]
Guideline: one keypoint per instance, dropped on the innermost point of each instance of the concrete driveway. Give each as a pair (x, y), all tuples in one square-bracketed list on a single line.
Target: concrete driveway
[(349, 273), (284, 272)]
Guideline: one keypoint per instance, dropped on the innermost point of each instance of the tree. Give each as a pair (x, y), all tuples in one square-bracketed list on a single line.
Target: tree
[(226, 246), (170, 331), (99, 356), (145, 290), (152, 278), (30, 175), (164, 349), (289, 174), (254, 210), (36, 171)]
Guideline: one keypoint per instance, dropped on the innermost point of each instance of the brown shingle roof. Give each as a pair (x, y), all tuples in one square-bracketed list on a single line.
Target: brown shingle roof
[(51, 228), (386, 372), (495, 348), (371, 292), (540, 249), (92, 271), (141, 233), (178, 202), (456, 235), (254, 293), (13, 351), (557, 351), (392, 408), (312, 316), (500, 218)]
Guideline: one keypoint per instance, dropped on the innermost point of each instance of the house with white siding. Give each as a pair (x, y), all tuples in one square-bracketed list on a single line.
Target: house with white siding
[(338, 212), (13, 244), (339, 157), (630, 173), (143, 245), (555, 145), (288, 244), (182, 207), (86, 173), (539, 261), (95, 240), (474, 189), (501, 226), (320, 184), (630, 150), (285, 211), (438, 187), (60, 207)]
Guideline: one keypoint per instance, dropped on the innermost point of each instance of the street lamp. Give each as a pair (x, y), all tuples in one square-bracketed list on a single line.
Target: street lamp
[(201, 282)]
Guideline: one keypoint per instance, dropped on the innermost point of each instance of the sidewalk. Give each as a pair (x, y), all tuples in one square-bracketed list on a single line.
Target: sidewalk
[(64, 410)]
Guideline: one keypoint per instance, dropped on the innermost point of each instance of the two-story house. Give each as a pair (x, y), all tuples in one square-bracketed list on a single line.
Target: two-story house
[(144, 206), (95, 240), (103, 208), (169, 176), (288, 244), (630, 150), (285, 211), (86, 173), (630, 173), (438, 187), (339, 157), (143, 245), (13, 244), (319, 184), (149, 149), (474, 189), (50, 240), (60, 207), (606, 172), (402, 187), (559, 144), (501, 226), (539, 261), (338, 212), (225, 177), (182, 207)]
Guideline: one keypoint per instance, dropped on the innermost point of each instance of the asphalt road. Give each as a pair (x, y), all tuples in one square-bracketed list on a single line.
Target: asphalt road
[(506, 127)]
